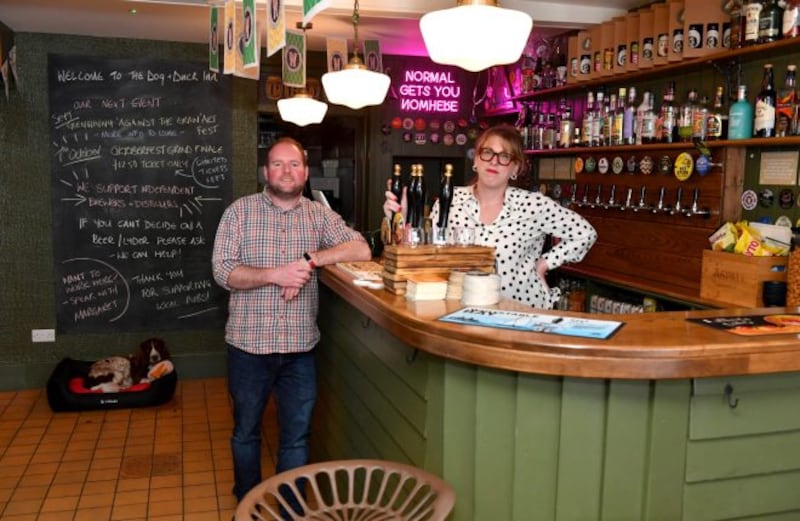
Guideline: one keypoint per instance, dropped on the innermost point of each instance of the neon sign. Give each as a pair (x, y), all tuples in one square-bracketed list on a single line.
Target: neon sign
[(429, 91)]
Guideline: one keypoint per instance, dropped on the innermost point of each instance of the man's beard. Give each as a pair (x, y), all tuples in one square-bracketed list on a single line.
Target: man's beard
[(282, 193)]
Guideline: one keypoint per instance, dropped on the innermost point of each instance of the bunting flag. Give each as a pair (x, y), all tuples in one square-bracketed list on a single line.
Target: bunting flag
[(252, 72), (276, 26), (372, 55), (249, 34), (337, 53), (294, 59), (213, 40), (312, 8), (229, 59)]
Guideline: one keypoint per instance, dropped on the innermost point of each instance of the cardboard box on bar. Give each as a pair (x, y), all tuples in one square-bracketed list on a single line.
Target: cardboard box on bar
[(607, 40), (620, 45), (678, 37), (661, 35), (738, 279), (634, 45), (697, 20), (596, 37), (647, 38), (573, 60), (584, 55)]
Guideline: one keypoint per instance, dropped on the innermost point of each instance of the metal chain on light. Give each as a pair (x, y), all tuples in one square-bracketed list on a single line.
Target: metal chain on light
[(355, 28)]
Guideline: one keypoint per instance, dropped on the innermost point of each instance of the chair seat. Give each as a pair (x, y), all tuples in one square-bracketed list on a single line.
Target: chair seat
[(346, 490)]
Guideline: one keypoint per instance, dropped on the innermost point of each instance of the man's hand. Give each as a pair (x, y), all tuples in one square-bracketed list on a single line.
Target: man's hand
[(292, 277)]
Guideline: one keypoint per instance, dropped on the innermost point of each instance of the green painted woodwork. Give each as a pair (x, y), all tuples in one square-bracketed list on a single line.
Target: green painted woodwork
[(526, 447)]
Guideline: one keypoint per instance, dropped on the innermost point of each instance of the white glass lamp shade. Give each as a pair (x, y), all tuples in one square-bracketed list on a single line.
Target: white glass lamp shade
[(355, 86), (301, 109), (475, 36)]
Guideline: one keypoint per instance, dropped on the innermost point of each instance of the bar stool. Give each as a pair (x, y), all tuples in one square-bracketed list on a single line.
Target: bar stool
[(350, 489)]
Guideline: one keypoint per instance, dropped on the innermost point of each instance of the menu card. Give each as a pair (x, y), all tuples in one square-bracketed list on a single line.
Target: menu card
[(754, 325)]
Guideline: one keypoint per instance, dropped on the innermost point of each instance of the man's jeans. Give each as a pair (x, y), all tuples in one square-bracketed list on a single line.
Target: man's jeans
[(251, 378)]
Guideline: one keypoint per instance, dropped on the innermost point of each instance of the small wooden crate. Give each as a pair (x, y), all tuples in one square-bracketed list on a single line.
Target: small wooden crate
[(400, 262), (738, 279)]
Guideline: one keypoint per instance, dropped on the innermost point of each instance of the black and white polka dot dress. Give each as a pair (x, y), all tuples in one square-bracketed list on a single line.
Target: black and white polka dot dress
[(518, 236)]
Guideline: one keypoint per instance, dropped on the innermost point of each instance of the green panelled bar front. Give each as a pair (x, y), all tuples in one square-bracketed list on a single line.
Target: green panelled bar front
[(526, 447)]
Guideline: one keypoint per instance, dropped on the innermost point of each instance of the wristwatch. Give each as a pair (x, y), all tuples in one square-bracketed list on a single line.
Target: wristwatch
[(309, 260)]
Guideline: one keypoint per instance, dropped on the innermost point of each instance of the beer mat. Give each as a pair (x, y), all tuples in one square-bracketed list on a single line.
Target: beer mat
[(366, 270), (754, 325), (534, 323)]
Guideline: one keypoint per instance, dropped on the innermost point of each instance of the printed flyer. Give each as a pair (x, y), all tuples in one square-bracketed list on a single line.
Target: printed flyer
[(535, 323), (754, 325)]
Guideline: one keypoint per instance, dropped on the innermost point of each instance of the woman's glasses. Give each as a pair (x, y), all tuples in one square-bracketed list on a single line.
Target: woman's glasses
[(503, 158)]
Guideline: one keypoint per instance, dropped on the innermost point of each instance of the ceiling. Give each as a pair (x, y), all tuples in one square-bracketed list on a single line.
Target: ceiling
[(394, 22)]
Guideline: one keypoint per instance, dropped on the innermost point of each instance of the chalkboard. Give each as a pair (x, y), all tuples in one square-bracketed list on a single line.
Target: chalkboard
[(141, 173)]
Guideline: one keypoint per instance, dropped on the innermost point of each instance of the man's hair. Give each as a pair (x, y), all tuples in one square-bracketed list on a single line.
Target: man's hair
[(294, 143)]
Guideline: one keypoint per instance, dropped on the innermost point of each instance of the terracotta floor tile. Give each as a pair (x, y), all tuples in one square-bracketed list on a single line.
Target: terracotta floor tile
[(166, 507), (66, 489), (60, 504), (168, 463), (93, 514)]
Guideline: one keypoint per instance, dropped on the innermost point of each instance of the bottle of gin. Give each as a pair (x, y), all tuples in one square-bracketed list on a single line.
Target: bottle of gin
[(717, 122), (629, 118), (740, 116), (786, 107), (686, 116), (764, 125)]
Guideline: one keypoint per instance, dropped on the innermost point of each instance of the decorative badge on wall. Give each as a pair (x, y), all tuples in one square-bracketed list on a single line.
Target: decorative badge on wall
[(749, 199)]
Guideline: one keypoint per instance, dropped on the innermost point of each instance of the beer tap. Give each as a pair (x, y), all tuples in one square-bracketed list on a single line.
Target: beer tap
[(628, 200), (678, 208), (612, 203), (585, 199), (659, 207), (695, 209), (598, 200), (642, 205)]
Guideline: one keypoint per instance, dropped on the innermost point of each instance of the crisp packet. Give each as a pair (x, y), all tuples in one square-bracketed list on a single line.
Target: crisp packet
[(724, 239)]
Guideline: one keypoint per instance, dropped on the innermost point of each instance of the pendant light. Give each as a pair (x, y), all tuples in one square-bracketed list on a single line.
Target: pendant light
[(355, 86), (475, 35), (301, 109)]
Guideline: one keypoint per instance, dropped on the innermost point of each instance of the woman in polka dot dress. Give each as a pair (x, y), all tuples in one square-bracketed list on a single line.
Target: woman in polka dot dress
[(513, 220)]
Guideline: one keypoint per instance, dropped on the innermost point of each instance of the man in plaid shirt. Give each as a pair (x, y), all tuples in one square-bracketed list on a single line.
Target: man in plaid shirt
[(265, 253)]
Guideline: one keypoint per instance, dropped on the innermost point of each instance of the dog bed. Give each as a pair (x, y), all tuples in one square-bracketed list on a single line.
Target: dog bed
[(66, 392)]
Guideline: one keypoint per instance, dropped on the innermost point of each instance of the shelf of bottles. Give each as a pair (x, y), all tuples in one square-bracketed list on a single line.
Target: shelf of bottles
[(613, 117)]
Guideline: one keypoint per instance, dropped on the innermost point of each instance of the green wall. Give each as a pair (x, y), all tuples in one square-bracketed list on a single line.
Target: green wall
[(27, 298)]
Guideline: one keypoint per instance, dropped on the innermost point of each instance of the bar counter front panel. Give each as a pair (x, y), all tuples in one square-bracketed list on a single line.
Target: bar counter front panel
[(618, 431)]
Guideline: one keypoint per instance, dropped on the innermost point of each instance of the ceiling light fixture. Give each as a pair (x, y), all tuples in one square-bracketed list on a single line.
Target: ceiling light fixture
[(476, 34), (355, 86), (301, 109)]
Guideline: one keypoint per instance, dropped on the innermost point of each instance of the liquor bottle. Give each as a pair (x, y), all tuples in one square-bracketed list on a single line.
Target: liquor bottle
[(791, 19), (740, 116), (752, 15), (445, 196), (770, 22), (628, 118), (419, 197), (638, 123), (764, 125), (598, 121), (717, 122), (700, 120), (567, 125), (649, 123), (397, 182), (785, 108), (668, 116), (736, 23), (619, 114), (538, 73), (411, 197), (586, 124), (686, 116)]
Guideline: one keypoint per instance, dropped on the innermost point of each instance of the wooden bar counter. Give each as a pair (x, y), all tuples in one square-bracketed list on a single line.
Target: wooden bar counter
[(665, 420)]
